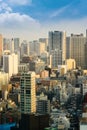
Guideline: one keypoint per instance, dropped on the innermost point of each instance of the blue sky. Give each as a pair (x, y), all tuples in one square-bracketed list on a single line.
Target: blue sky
[(31, 19)]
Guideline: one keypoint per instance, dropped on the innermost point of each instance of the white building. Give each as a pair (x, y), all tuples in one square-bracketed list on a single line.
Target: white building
[(28, 95), (10, 63)]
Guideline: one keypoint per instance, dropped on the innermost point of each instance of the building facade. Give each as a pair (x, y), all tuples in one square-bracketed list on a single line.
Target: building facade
[(77, 49), (57, 40), (1, 44), (10, 63), (28, 95), (56, 56)]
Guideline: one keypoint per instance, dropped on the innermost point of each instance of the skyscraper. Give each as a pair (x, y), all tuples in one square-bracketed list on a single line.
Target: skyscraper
[(6, 44), (57, 40), (1, 44), (56, 58), (28, 96), (24, 48), (77, 49), (1, 48), (10, 63), (16, 44)]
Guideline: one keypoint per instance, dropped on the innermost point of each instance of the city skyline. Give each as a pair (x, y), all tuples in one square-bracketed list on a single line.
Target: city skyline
[(31, 19)]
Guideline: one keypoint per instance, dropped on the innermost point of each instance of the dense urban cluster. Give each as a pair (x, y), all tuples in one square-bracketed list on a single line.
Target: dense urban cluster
[(43, 83)]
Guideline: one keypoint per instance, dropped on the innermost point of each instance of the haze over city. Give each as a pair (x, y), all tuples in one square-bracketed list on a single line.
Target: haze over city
[(43, 65), (31, 19)]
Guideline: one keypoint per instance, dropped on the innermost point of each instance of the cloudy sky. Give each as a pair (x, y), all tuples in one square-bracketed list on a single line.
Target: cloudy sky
[(32, 19)]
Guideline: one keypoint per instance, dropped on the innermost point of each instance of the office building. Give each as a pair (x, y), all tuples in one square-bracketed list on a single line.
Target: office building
[(1, 49), (77, 49), (71, 64), (6, 44), (44, 40), (3, 84), (57, 40), (24, 49), (86, 55), (43, 104), (3, 81), (34, 121), (37, 66), (44, 74), (23, 67), (16, 44), (1, 44), (36, 48), (41, 48), (10, 63), (45, 56), (68, 47), (28, 94), (56, 56)]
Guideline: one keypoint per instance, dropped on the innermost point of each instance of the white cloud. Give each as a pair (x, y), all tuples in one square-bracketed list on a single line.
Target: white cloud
[(4, 7), (18, 24), (20, 2), (25, 27)]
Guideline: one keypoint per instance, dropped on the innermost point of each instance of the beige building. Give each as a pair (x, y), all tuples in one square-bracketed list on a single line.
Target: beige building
[(3, 81), (44, 40), (44, 74), (77, 49), (41, 48), (62, 69), (36, 48), (71, 64)]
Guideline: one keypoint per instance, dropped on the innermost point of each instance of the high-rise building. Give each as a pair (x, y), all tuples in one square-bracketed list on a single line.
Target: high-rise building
[(77, 49), (10, 63), (44, 40), (34, 121), (6, 44), (86, 55), (36, 48), (33, 47), (57, 40), (37, 66), (68, 47), (24, 48), (12, 46), (1, 48), (1, 44), (43, 104), (3, 85), (16, 44), (28, 95), (56, 58), (41, 48)]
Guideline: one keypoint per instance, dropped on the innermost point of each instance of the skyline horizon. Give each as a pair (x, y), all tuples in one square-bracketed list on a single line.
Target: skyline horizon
[(11, 37), (31, 19)]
